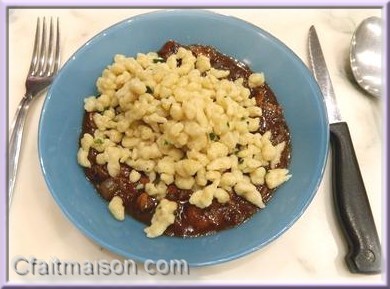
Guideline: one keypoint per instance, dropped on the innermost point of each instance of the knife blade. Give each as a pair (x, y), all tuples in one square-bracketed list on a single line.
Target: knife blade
[(351, 201)]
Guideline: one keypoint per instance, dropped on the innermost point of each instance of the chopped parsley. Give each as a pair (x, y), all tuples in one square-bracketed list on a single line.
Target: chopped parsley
[(98, 141), (157, 179), (159, 59), (149, 89), (213, 136)]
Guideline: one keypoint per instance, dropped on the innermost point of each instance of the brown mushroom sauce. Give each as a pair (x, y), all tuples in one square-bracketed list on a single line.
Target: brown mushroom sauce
[(191, 221)]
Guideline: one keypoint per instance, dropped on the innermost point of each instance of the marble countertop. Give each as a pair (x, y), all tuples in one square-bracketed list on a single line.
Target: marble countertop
[(311, 252)]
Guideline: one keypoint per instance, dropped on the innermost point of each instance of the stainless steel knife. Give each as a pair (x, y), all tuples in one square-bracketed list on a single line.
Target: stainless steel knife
[(351, 201)]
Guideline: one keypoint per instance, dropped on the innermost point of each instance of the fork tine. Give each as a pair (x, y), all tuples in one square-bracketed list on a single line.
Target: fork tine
[(43, 52), (49, 55), (57, 52), (34, 58)]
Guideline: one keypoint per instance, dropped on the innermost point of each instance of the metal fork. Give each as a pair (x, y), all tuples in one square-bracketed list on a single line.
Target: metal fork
[(44, 65)]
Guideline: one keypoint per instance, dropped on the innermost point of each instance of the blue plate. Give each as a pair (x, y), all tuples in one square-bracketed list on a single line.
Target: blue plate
[(293, 84)]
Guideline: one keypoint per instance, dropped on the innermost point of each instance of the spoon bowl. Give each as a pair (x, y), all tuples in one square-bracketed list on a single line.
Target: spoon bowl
[(366, 55)]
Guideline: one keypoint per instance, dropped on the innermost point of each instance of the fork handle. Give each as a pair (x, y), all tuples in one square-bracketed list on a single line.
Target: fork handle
[(15, 141)]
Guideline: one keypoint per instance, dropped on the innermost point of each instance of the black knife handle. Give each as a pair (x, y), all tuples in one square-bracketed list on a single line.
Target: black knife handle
[(352, 205)]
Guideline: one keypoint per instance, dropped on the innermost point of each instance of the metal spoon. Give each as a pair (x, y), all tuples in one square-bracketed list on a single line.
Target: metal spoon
[(366, 55)]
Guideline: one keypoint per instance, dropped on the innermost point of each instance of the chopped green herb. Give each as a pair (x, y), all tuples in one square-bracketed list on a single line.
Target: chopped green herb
[(240, 160), (243, 118), (166, 143), (157, 179), (149, 89), (98, 141), (213, 136), (157, 60)]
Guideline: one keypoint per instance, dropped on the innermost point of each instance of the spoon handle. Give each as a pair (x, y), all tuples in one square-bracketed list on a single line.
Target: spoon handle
[(352, 205)]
